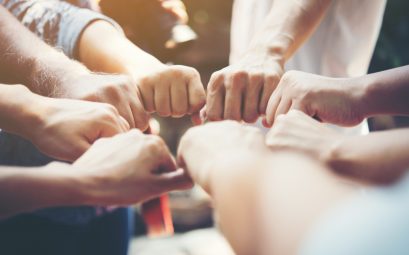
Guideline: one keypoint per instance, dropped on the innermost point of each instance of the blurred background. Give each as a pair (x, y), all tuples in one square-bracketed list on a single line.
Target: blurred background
[(207, 49)]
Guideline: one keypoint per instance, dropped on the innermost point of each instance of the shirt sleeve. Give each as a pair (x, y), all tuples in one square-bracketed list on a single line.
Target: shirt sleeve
[(58, 23)]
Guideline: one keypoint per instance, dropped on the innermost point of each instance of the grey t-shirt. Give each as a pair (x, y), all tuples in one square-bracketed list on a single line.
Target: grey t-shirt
[(59, 23)]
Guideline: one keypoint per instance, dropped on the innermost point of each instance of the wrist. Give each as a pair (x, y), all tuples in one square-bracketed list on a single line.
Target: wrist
[(65, 185)]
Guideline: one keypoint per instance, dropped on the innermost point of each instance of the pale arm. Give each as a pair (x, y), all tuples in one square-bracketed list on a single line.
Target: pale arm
[(241, 91), (288, 25), (266, 201)]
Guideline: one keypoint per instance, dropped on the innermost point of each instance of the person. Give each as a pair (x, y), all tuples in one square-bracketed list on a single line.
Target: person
[(279, 201), (26, 60), (127, 168), (328, 171), (329, 38)]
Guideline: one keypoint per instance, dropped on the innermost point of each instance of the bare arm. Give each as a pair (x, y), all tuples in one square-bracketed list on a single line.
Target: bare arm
[(341, 101), (27, 60), (288, 25), (94, 179), (266, 201), (28, 189), (168, 90), (379, 157), (241, 91)]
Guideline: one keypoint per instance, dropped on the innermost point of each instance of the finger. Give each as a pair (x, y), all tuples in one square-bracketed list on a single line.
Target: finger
[(203, 114), (154, 126), (179, 98), (283, 107), (234, 94), (80, 147), (251, 99), (215, 98), (128, 115), (176, 180), (270, 83), (146, 93), (123, 124), (196, 92), (162, 100), (108, 129), (140, 116), (272, 106)]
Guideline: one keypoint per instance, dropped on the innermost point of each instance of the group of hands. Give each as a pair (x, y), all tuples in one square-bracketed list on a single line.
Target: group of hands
[(99, 121), (100, 124)]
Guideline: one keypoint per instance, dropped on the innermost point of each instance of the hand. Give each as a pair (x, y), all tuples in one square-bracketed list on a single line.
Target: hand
[(130, 168), (67, 128), (298, 132), (116, 90), (329, 100), (203, 147), (241, 91), (172, 90)]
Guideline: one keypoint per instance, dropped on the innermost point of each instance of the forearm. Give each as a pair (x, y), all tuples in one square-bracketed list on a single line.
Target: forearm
[(29, 61), (28, 189), (287, 26), (379, 157), (115, 53), (385, 92), (267, 203)]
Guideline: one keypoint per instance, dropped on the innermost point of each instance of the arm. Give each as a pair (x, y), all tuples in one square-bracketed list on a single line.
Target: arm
[(61, 128), (143, 169), (168, 90), (29, 61), (255, 76), (266, 202), (341, 101), (380, 157)]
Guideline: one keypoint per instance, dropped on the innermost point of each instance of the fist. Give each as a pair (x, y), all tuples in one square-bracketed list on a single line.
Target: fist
[(329, 100), (241, 91), (172, 91)]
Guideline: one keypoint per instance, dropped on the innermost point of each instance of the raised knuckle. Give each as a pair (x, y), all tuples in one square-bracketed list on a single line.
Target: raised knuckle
[(255, 77), (250, 117), (214, 117), (234, 85), (272, 78)]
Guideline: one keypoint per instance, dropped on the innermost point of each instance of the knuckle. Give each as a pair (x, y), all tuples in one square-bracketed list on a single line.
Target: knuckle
[(250, 117)]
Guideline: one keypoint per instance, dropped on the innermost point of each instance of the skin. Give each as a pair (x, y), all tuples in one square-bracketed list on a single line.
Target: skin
[(341, 101), (29, 61), (143, 168), (267, 193), (71, 126), (167, 90), (241, 91), (358, 157)]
